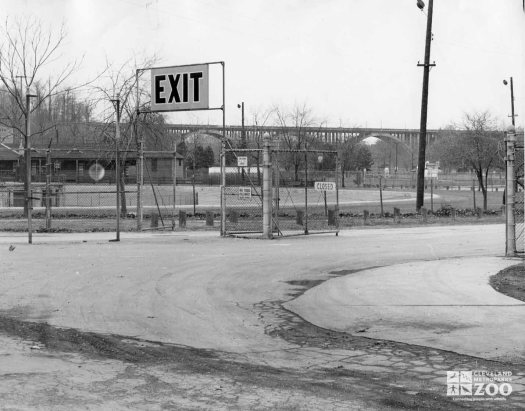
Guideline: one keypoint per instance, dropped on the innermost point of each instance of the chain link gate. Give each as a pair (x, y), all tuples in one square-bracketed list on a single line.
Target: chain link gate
[(243, 192), (306, 192), (302, 184)]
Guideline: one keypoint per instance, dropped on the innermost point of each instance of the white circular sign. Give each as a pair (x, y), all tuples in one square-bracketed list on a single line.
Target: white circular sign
[(96, 172)]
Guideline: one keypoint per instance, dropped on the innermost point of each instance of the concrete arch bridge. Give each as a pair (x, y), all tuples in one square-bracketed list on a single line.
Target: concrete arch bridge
[(409, 138)]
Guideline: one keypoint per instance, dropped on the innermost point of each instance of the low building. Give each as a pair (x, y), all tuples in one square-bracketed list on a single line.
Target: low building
[(71, 159)]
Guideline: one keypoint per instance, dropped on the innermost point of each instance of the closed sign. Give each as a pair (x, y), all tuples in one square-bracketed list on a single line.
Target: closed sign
[(324, 186)]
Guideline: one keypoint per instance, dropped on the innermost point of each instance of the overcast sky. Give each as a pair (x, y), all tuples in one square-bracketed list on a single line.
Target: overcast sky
[(353, 62)]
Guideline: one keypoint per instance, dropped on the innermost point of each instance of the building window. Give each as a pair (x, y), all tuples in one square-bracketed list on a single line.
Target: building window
[(154, 165)]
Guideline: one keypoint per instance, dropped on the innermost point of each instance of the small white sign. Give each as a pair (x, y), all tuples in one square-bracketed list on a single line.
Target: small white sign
[(245, 193), (325, 186), (242, 161), (431, 169)]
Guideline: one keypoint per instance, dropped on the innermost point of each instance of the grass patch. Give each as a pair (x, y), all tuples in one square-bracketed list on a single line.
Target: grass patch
[(510, 281)]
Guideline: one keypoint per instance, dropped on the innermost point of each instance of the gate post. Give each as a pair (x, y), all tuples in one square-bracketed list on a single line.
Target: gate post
[(337, 185), (267, 188), (223, 186), (510, 249)]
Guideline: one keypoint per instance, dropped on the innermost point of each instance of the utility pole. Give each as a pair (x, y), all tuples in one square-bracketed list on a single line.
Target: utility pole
[(27, 182), (140, 162), (116, 103), (424, 107)]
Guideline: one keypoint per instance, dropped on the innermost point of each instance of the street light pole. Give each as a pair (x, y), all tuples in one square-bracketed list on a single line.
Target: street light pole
[(396, 160), (243, 135), (243, 132), (508, 177), (424, 108), (513, 116)]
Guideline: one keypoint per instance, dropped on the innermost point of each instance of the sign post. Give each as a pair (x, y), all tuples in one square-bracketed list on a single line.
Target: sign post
[(325, 186), (186, 88)]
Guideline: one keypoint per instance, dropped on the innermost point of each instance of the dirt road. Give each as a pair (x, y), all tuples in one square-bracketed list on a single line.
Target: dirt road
[(190, 320)]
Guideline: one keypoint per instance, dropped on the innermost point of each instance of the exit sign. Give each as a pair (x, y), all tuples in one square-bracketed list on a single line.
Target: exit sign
[(180, 88)]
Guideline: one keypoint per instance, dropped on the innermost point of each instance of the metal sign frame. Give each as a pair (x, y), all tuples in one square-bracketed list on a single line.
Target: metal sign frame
[(172, 85), (140, 178)]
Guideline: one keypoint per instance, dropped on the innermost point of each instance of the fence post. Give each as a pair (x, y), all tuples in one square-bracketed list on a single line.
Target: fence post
[(182, 219), (337, 174), (510, 248), (431, 194), (276, 194), (474, 194), (305, 190), (48, 189), (397, 215), (209, 218), (267, 189), (381, 197), (223, 184), (174, 174)]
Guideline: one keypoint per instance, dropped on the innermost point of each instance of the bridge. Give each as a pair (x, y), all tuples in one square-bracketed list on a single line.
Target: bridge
[(407, 137)]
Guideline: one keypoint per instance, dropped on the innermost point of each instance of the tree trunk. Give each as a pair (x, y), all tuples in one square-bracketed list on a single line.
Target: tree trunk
[(484, 191), (479, 175)]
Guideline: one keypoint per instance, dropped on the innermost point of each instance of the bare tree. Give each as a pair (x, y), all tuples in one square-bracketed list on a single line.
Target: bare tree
[(295, 133), (28, 62), (28, 57), (477, 149), (126, 84), (260, 119)]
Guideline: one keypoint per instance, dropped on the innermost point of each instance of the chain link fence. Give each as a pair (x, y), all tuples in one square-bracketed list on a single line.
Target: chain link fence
[(243, 192), (306, 191), (76, 189), (303, 188)]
